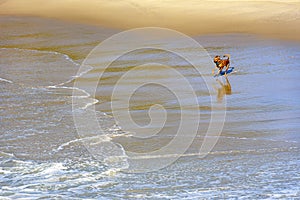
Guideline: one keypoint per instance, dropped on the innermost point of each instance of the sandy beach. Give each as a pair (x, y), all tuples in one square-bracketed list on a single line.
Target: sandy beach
[(43, 45), (272, 18)]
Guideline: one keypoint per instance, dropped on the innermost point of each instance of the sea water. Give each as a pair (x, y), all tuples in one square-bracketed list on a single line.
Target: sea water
[(42, 155)]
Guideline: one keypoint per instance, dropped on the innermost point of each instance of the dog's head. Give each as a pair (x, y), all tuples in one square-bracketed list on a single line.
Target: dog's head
[(217, 58)]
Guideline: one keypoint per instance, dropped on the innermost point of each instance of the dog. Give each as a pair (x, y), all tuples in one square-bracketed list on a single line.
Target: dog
[(221, 63)]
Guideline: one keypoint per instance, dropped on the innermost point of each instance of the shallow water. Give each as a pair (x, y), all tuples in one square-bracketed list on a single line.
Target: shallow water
[(42, 155)]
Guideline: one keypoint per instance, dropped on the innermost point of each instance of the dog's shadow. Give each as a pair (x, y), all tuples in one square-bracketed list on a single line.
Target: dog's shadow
[(223, 89)]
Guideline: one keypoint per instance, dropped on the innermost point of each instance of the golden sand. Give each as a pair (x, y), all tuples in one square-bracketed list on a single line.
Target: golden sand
[(274, 18)]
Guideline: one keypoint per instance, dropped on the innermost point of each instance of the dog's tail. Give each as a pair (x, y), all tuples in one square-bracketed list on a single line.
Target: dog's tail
[(227, 55)]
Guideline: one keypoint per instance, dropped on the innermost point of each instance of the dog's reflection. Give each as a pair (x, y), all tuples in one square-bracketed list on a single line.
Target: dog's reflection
[(225, 89)]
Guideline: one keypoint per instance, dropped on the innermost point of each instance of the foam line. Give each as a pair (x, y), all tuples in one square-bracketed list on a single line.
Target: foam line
[(5, 80)]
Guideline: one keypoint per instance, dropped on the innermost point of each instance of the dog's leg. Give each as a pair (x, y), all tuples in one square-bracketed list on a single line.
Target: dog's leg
[(220, 70), (227, 67), (213, 71)]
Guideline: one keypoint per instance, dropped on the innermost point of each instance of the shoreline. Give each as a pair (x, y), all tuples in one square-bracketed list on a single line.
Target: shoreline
[(272, 19), (113, 30)]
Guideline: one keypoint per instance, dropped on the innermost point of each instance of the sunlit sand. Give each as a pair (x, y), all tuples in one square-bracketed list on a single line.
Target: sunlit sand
[(275, 18)]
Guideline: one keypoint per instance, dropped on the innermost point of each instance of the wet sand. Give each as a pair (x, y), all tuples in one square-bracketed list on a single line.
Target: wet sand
[(42, 155)]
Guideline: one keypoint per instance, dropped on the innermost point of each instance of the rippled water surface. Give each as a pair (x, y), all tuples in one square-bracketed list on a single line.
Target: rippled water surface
[(42, 156)]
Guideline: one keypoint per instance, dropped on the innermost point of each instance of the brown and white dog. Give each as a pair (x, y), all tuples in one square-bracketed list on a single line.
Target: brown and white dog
[(221, 63)]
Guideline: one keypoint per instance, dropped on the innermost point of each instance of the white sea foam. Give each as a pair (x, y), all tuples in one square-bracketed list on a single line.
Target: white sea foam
[(65, 56), (84, 70), (5, 80), (5, 154), (102, 138), (230, 152)]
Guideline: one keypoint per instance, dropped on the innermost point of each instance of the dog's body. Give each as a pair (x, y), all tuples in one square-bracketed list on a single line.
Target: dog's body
[(221, 63)]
